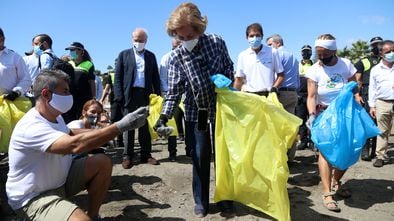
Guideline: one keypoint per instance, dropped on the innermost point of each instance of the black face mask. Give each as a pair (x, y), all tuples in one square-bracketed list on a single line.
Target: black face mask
[(306, 55), (375, 51), (327, 60)]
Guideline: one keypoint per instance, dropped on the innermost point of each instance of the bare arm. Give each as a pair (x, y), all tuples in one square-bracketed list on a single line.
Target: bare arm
[(106, 91), (372, 112), (238, 82), (83, 140), (357, 78), (279, 79), (312, 93)]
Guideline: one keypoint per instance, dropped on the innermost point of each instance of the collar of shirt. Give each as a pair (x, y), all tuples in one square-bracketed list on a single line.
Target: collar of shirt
[(49, 50), (262, 51), (139, 53), (383, 66), (5, 51)]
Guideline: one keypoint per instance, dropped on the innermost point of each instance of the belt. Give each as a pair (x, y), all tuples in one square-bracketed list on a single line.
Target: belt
[(389, 101), (261, 93), (287, 89), (138, 88)]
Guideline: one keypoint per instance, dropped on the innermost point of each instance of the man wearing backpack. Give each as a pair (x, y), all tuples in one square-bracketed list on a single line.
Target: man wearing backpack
[(42, 56), (364, 66)]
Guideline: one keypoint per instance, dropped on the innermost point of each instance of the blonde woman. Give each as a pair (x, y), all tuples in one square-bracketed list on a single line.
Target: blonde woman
[(190, 66), (326, 78)]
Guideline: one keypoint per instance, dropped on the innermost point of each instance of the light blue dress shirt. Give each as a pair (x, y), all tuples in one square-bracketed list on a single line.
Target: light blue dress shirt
[(291, 70), (140, 72)]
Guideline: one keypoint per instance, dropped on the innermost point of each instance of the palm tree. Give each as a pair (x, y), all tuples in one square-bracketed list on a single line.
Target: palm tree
[(345, 53), (358, 50)]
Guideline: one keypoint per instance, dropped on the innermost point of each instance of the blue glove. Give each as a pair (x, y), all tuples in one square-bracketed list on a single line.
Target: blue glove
[(220, 80)]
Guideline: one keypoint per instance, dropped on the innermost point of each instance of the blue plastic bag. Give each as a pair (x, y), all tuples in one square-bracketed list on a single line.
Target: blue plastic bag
[(341, 130)]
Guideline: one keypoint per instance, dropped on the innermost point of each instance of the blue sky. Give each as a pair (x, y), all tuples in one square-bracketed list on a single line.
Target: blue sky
[(105, 27)]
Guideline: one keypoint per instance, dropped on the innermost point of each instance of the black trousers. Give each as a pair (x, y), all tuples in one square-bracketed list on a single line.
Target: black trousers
[(139, 98), (178, 116), (301, 111)]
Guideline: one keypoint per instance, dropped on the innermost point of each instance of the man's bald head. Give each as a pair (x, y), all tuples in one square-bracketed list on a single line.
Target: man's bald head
[(140, 35)]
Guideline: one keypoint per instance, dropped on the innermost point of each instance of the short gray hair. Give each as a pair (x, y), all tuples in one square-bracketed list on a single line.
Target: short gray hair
[(48, 78), (276, 38)]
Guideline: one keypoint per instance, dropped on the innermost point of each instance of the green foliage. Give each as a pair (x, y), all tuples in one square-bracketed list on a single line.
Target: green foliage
[(358, 50)]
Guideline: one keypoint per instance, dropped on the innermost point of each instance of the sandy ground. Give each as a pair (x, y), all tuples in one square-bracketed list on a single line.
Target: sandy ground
[(164, 192)]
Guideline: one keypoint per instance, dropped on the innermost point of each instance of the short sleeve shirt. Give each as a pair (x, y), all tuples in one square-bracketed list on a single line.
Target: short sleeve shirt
[(258, 69), (32, 169), (330, 79)]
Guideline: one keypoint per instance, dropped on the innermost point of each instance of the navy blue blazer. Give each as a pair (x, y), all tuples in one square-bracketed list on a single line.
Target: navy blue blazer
[(125, 74)]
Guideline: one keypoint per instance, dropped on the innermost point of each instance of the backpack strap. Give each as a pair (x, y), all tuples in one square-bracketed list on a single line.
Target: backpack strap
[(39, 58), (50, 54)]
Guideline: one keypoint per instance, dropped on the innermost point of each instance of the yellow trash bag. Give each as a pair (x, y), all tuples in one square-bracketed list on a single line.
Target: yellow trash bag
[(10, 113), (155, 106), (252, 136)]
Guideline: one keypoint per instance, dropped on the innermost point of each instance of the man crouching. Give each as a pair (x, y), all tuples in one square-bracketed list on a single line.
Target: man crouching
[(42, 171)]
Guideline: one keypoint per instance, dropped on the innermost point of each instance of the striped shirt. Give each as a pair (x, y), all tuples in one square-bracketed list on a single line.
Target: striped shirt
[(189, 73)]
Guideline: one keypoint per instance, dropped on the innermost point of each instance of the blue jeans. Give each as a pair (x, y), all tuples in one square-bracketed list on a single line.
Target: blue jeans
[(200, 143)]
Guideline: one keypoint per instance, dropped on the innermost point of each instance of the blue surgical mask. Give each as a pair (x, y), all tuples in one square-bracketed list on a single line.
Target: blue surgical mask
[(73, 55), (254, 42), (37, 50), (389, 57)]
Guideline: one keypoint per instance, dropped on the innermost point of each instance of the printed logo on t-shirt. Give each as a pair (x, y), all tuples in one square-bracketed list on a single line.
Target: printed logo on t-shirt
[(335, 81)]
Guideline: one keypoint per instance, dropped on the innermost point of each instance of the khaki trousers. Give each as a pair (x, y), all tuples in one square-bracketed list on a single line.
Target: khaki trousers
[(384, 119)]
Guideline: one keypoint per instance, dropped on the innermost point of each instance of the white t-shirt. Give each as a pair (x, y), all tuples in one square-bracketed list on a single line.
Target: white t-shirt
[(258, 69), (330, 79), (76, 124), (32, 170)]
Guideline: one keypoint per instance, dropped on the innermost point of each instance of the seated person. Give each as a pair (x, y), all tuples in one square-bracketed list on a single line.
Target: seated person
[(42, 172), (91, 118)]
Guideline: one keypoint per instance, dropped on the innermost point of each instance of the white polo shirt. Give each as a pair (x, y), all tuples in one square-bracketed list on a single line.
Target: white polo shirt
[(381, 83), (258, 69)]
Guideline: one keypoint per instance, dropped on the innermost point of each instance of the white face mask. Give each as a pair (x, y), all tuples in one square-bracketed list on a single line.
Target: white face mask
[(189, 45), (61, 103), (139, 46)]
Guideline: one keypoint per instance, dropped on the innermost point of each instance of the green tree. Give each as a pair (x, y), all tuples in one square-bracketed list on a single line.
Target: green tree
[(358, 50)]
